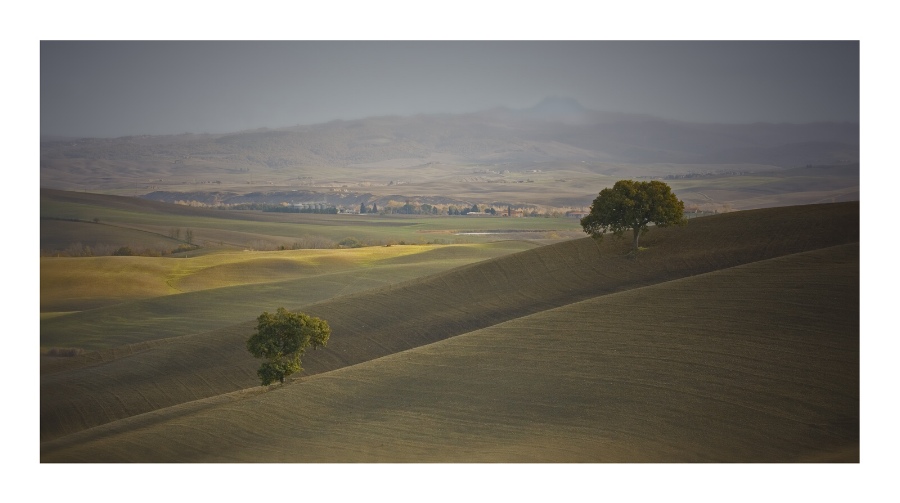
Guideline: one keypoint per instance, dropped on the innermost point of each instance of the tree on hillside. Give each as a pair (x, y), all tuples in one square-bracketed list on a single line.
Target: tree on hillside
[(633, 205), (282, 338)]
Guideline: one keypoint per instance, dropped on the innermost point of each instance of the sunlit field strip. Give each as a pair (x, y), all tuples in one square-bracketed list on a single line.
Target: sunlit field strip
[(290, 278)]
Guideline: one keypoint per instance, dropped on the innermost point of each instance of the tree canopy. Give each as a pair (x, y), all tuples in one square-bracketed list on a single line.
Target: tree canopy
[(633, 205), (282, 338)]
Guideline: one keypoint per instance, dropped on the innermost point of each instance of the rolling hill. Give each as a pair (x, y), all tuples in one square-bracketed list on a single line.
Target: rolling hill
[(735, 338), (755, 363)]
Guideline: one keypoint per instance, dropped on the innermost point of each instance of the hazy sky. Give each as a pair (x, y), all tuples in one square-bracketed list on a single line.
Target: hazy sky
[(113, 88)]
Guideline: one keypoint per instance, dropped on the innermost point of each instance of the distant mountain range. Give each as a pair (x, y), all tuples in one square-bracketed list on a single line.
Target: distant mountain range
[(554, 129)]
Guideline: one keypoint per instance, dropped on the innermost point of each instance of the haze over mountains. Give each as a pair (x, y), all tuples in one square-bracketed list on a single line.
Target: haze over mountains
[(556, 129)]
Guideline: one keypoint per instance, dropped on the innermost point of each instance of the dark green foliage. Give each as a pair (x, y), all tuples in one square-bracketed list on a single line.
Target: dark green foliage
[(282, 338), (633, 205), (124, 251), (427, 209), (350, 242), (183, 248), (65, 352), (278, 208), (281, 209)]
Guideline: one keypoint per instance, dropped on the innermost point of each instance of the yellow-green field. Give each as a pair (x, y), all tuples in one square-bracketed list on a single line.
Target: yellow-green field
[(100, 302), (735, 338), (113, 280)]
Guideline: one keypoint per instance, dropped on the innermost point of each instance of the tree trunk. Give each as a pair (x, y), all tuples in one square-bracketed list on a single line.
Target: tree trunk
[(637, 235)]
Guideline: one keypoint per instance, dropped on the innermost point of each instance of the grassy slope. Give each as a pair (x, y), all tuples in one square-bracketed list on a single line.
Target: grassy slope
[(108, 385), (122, 294), (756, 363)]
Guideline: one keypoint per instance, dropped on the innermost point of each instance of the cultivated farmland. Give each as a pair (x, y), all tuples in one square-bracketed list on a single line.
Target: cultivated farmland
[(735, 338), (743, 385)]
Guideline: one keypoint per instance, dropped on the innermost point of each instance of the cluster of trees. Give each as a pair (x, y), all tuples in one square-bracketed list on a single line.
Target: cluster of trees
[(282, 208), (408, 208), (80, 249), (453, 210), (105, 250), (313, 242), (175, 233), (350, 242), (392, 208), (427, 209), (193, 203), (330, 210), (160, 249)]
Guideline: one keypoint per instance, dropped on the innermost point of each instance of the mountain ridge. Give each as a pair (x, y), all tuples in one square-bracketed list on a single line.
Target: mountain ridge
[(473, 137)]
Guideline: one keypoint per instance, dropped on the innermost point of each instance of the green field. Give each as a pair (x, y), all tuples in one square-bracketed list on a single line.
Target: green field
[(68, 218), (735, 338)]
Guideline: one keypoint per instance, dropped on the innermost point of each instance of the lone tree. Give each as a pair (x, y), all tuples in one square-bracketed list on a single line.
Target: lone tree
[(633, 205), (282, 338)]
